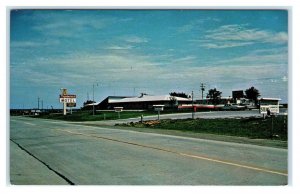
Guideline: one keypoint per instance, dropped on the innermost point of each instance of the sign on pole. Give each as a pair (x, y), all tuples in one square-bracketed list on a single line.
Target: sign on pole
[(158, 108), (118, 110), (68, 100), (269, 106)]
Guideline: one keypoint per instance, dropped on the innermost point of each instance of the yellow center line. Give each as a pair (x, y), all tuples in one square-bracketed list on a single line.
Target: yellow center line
[(235, 164), (184, 154)]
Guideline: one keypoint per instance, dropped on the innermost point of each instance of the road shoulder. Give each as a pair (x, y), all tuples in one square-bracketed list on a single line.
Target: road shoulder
[(27, 170)]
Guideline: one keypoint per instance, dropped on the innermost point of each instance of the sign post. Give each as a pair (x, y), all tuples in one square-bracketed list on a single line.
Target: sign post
[(68, 100), (65, 108), (269, 106), (158, 108), (118, 110)]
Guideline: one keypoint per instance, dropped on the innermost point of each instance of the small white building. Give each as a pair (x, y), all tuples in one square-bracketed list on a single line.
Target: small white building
[(268, 105)]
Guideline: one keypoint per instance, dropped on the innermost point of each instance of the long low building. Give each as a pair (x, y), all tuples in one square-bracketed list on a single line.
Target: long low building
[(144, 102)]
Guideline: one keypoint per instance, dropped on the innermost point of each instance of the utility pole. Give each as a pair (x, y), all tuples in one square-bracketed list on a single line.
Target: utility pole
[(193, 113), (38, 103), (94, 98), (202, 88)]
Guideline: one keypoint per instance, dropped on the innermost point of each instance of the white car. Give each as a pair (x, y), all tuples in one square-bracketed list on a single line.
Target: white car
[(233, 107)]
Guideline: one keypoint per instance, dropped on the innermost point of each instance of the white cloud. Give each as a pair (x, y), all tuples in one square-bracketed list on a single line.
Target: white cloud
[(125, 66), (26, 44), (240, 35), (263, 57), (225, 45), (184, 60), (68, 26), (195, 24), (116, 47)]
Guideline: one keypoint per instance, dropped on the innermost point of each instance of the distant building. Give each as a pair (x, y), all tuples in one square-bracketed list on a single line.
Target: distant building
[(105, 104), (223, 100), (144, 102), (237, 96)]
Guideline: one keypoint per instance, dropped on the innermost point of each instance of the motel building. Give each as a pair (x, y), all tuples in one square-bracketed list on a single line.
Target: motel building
[(144, 102), (148, 102)]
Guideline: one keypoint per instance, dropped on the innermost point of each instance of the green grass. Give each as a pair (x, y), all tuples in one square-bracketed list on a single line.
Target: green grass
[(88, 115), (102, 115), (254, 128)]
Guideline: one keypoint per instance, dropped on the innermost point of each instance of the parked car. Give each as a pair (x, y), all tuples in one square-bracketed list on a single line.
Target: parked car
[(250, 106), (233, 107)]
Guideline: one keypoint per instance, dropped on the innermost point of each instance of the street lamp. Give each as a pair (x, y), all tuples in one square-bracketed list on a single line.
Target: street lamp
[(38, 103), (94, 98)]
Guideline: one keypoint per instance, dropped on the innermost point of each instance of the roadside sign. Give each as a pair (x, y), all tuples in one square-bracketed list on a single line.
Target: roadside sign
[(64, 91), (269, 105), (263, 109), (67, 96), (68, 100), (118, 109), (71, 104), (158, 107), (274, 109)]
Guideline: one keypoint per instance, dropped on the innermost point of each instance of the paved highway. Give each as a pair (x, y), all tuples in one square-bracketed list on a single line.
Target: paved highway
[(57, 152)]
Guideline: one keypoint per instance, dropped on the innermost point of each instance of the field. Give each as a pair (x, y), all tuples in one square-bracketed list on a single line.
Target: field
[(88, 115), (254, 128)]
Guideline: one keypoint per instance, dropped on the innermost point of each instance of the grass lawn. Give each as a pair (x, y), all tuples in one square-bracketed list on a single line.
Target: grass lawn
[(88, 115), (254, 128)]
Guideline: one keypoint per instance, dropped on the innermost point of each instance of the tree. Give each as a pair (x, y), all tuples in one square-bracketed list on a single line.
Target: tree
[(173, 101), (177, 94), (252, 94), (214, 95)]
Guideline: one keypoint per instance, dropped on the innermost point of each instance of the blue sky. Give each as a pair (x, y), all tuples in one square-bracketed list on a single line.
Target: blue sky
[(153, 51)]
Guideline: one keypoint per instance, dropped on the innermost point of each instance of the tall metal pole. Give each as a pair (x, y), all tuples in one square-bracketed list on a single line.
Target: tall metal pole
[(38, 102), (93, 100), (202, 89), (94, 97), (193, 113)]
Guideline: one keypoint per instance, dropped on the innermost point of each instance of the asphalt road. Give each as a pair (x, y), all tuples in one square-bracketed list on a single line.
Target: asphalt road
[(57, 152)]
